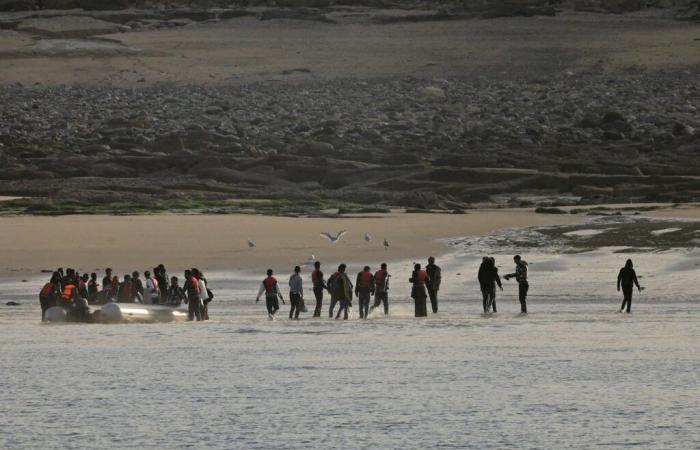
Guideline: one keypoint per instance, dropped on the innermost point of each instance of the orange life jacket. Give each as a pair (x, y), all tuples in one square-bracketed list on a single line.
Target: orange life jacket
[(364, 280), (420, 278), (68, 290), (270, 284), (195, 284)]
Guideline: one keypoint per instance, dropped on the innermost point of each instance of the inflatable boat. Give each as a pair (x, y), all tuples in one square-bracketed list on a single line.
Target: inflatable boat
[(117, 313)]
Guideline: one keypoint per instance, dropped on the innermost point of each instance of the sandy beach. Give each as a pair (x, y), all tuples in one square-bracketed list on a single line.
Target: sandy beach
[(215, 242)]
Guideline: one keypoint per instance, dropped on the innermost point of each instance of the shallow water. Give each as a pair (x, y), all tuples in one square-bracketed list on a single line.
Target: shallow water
[(572, 374)]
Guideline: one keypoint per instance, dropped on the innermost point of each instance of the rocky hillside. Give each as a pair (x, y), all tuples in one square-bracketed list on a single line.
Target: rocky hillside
[(504, 5), (432, 144)]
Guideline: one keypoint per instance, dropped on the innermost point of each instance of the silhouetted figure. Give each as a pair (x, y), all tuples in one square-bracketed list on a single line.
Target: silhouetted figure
[(137, 285), (364, 289), (381, 288), (435, 275), (340, 287), (488, 279), (50, 293), (93, 288), (107, 280), (627, 279), (520, 276), (419, 279), (319, 284)]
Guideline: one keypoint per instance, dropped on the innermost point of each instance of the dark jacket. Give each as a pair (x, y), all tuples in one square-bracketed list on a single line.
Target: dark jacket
[(520, 273), (627, 278), (488, 277), (435, 274)]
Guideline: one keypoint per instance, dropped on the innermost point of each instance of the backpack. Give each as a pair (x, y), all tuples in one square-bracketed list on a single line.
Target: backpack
[(333, 283), (47, 291)]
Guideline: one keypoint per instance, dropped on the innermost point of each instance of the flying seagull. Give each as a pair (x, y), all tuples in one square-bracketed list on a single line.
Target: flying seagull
[(386, 244), (368, 237), (332, 238), (251, 244)]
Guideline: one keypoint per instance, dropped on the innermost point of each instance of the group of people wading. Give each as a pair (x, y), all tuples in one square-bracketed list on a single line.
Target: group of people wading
[(76, 292), (425, 284), (368, 284)]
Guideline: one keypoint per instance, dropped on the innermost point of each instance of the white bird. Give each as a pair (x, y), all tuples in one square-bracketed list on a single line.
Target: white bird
[(335, 238), (386, 244), (251, 244), (368, 237), (310, 261)]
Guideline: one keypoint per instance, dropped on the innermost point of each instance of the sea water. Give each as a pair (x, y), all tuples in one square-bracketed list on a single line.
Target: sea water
[(573, 373)]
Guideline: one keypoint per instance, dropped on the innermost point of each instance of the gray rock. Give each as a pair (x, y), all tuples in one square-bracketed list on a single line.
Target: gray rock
[(316, 148)]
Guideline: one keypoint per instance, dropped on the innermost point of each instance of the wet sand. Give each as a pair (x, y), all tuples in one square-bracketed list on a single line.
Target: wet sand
[(125, 243)]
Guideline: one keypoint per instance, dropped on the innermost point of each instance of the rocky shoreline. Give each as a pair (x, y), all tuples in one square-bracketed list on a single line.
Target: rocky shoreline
[(574, 138), (540, 126)]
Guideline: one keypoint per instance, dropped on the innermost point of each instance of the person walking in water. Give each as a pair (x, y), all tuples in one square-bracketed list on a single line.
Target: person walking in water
[(319, 285), (627, 279), (341, 292), (296, 293), (272, 292), (419, 279), (194, 296), (381, 289), (520, 276), (488, 279), (435, 275), (364, 289), (340, 288), (49, 294)]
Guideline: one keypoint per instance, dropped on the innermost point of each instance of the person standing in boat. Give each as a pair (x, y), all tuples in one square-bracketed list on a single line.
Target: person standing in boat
[(107, 280), (126, 292), (627, 280), (176, 295), (151, 290), (93, 288), (138, 288), (419, 280)]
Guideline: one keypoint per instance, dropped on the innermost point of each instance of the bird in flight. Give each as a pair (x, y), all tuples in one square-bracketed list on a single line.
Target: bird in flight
[(251, 244), (333, 239), (386, 244), (368, 237)]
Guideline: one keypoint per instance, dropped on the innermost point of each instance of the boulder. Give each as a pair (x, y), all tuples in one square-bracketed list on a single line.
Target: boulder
[(433, 92), (681, 129), (316, 148)]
